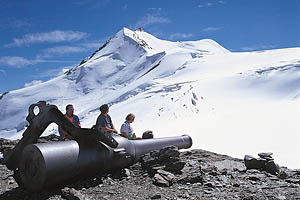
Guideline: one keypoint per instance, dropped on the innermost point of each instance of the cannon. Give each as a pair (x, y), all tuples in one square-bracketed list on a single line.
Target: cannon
[(42, 165)]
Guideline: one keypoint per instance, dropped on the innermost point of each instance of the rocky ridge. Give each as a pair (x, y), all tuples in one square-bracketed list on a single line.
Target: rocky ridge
[(170, 174)]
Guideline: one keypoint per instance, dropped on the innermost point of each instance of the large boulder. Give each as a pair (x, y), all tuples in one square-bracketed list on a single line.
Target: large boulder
[(264, 162)]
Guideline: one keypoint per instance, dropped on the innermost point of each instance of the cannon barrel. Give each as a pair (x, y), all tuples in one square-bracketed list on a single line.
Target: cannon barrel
[(49, 164)]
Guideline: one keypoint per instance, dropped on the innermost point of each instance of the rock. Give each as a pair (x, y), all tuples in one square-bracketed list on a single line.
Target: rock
[(160, 181), (205, 175), (207, 191), (265, 155), (282, 175), (297, 172), (170, 151), (271, 167), (174, 166), (281, 197), (254, 163), (163, 178), (10, 182), (72, 194), (223, 179), (147, 135), (229, 165), (127, 172), (192, 178), (265, 164), (209, 184), (253, 178), (236, 185), (156, 196), (48, 138), (166, 159), (213, 173), (1, 157), (293, 180)]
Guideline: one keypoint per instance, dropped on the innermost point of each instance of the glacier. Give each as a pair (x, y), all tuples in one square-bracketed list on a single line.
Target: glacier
[(233, 103)]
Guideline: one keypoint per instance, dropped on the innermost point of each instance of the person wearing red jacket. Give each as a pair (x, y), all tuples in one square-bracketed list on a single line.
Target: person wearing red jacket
[(73, 118)]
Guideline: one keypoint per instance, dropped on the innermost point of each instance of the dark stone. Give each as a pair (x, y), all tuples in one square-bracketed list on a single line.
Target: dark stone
[(271, 168), (175, 166), (282, 175), (267, 156), (253, 178), (148, 160), (148, 135), (166, 159), (170, 151), (254, 163), (82, 62), (224, 171), (209, 184), (263, 155), (236, 185), (156, 196), (2, 95), (213, 173)]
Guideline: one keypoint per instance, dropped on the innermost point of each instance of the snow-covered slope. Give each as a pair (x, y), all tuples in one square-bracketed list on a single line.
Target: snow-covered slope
[(231, 103)]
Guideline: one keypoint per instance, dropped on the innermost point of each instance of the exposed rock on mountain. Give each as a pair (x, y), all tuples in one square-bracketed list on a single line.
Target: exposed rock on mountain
[(205, 175)]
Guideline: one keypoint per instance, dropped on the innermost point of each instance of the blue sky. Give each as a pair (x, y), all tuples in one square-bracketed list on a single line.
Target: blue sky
[(38, 39)]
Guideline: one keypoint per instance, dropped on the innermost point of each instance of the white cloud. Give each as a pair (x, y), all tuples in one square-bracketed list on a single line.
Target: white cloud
[(20, 62), (257, 47), (209, 4), (15, 61), (151, 19), (94, 45), (60, 50), (48, 37), (34, 82), (155, 9), (180, 36), (209, 29)]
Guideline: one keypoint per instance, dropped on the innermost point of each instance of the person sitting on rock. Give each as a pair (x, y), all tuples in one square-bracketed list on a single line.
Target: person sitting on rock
[(126, 129), (104, 120), (73, 118)]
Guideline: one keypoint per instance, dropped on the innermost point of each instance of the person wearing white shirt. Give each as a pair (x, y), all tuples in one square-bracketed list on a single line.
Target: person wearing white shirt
[(126, 129)]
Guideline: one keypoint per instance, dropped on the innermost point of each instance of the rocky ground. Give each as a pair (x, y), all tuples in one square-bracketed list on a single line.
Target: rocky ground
[(168, 174)]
